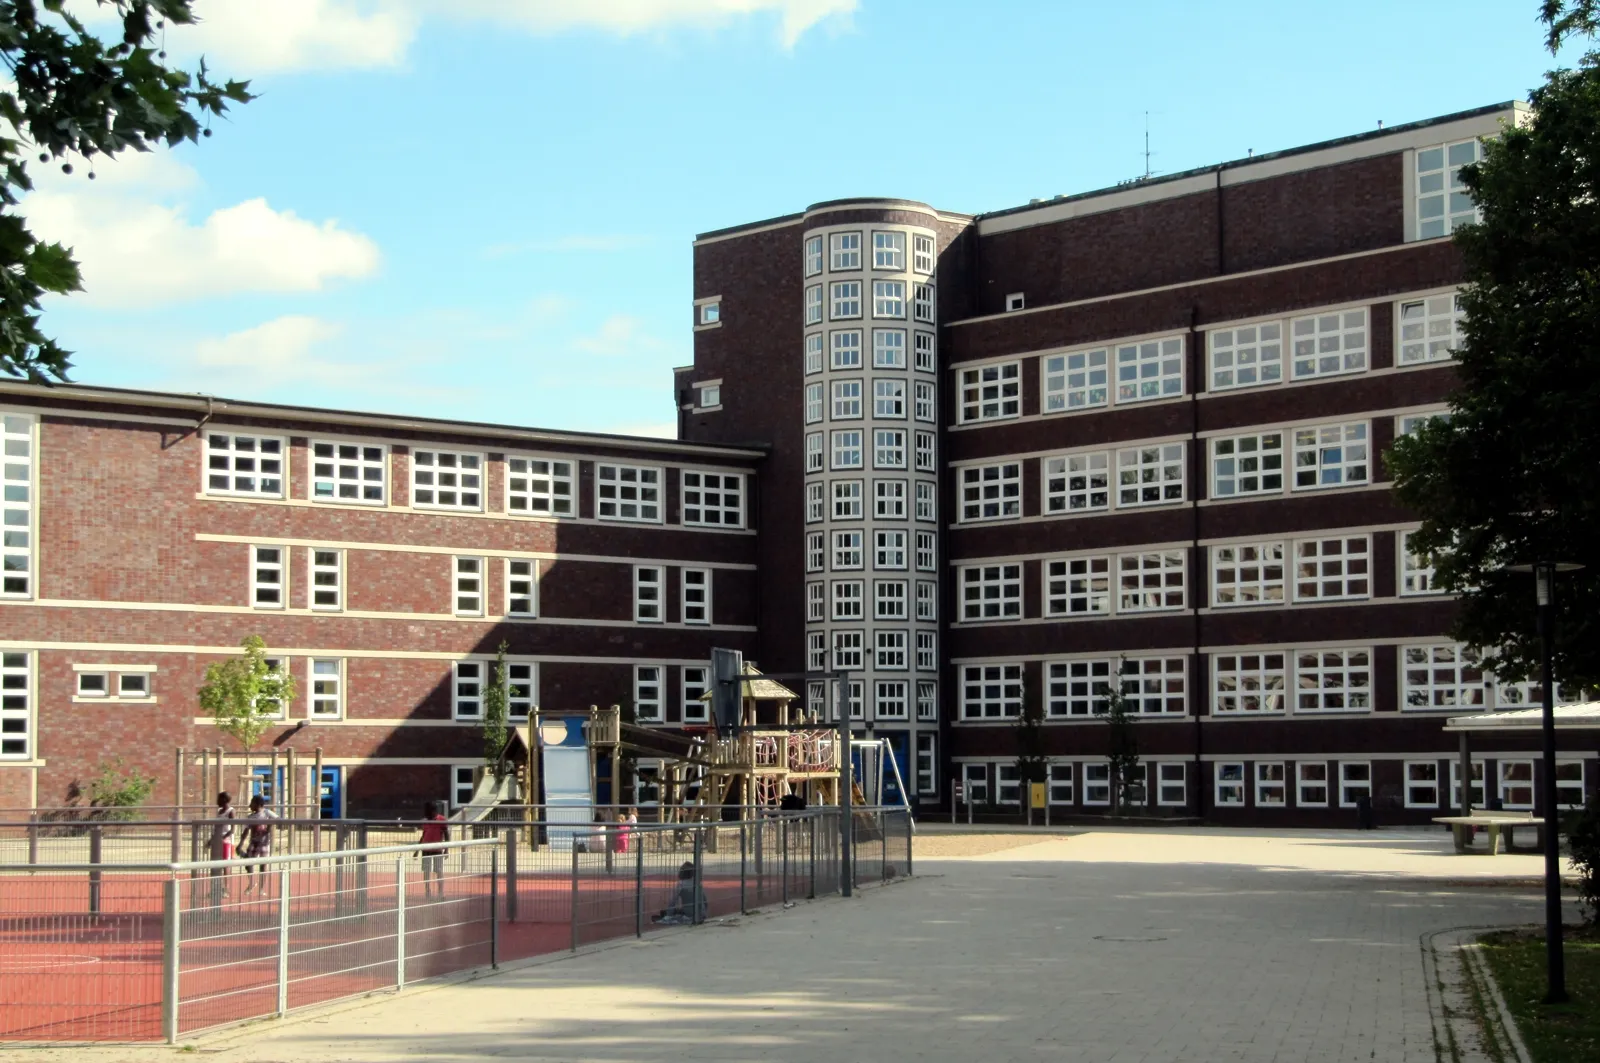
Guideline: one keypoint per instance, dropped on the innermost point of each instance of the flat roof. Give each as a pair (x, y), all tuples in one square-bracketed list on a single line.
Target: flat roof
[(1585, 715)]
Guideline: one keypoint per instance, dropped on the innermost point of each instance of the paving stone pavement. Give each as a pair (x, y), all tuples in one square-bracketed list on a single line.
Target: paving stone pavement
[(1144, 947)]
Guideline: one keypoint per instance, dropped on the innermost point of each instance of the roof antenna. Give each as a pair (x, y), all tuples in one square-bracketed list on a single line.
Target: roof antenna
[(1148, 173), (1380, 123)]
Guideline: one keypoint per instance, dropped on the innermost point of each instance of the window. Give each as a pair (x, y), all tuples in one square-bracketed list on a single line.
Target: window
[(816, 602), (847, 449), (1269, 784), (1080, 483), (93, 684), (463, 781), (1570, 792), (814, 353), (923, 408), (1172, 784), (927, 657), (1097, 784), (469, 586), (926, 461), (889, 452), (1150, 370), (1430, 328), (521, 581), (889, 351), (816, 551), (1333, 455), (813, 403), (1332, 569), (844, 251), (846, 297), (327, 698), (16, 557), (327, 579), (892, 653), (889, 398), (1150, 581), (891, 699), (1248, 682), (814, 460), (696, 680), (926, 763), (991, 592), (1440, 676), (446, 479), (248, 466), (628, 492), (540, 487), (922, 302), (817, 651), (271, 707), (891, 550), (710, 313), (1416, 573), (1329, 344), (991, 392), (696, 595), (713, 499), (813, 256), (1407, 424), (991, 492), (888, 299), (1247, 465), (889, 599), (847, 649), (816, 502), (927, 707), (847, 500), (1076, 381), (1312, 779), (1247, 574), (991, 691), (1008, 784), (348, 472), (268, 588), (922, 254), (1076, 688), (1333, 680), (647, 597), (813, 304), (1476, 784), (848, 599), (888, 250), (1150, 475), (1155, 685), (1246, 356), (466, 699), (847, 550), (923, 343), (647, 707), (1530, 692), (1077, 586), (925, 500), (1015, 301), (133, 685), (846, 400), (889, 498), (846, 349), (975, 783), (1443, 202), (1422, 784), (1059, 781), (1230, 784), (925, 551), (1355, 782)]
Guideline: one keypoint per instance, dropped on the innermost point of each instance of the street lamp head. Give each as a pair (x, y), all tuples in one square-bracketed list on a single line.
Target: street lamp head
[(1544, 574)]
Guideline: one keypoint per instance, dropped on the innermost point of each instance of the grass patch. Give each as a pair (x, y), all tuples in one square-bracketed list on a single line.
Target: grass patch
[(1559, 1033)]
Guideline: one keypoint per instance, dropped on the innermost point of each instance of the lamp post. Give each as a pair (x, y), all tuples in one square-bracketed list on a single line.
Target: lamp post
[(1544, 579)]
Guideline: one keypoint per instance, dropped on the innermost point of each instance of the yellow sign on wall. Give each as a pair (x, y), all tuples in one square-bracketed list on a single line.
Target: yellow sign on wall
[(1036, 794)]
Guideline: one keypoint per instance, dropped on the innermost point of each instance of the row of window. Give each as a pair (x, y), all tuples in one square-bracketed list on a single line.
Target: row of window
[(256, 466), (891, 600), (888, 252), (850, 401), (891, 650), (892, 699), (845, 301), (1313, 346), (16, 508), (889, 500), (1324, 568), (888, 350), (1000, 783), (849, 450), (1433, 677), (887, 553)]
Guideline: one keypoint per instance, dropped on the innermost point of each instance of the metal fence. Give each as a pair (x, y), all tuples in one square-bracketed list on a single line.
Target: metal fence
[(157, 950)]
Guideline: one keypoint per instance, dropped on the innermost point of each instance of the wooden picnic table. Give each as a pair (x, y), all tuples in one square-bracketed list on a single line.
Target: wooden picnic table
[(1493, 823)]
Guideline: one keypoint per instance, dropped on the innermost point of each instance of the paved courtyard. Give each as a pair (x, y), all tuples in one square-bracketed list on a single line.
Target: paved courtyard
[(1147, 946)]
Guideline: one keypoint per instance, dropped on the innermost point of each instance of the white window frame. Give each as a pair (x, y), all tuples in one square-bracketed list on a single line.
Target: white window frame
[(522, 586), (888, 249), (891, 599), (927, 701), (1412, 578), (1077, 586), (816, 551), (889, 300), (18, 557), (1075, 380), (990, 393), (815, 461), (1075, 483), (262, 567), (844, 347), (325, 579), (1333, 680), (1425, 687), (922, 303), (1270, 775), (1156, 685), (816, 501), (990, 592), (923, 406), (693, 682), (243, 473), (846, 449), (889, 448), (1252, 463), (1228, 783), (1355, 782), (813, 405), (1421, 775), (1096, 783), (540, 486), (1172, 783), (813, 256), (1332, 569), (926, 461), (991, 692), (328, 480), (1246, 356), (1076, 687), (849, 598), (694, 598), (844, 301), (459, 474), (1152, 474), (848, 649), (1250, 683), (1444, 182), (846, 400), (813, 305), (889, 348), (844, 251), (889, 399), (849, 550), (649, 594), (891, 650), (925, 501), (327, 688), (816, 602), (923, 253), (711, 498), (1432, 331), (813, 353), (927, 551), (889, 552), (468, 679), (924, 351), (848, 499), (1152, 581), (630, 494), (990, 492), (649, 688), (1342, 451), (1330, 343), (1249, 574), (468, 585), (1311, 776), (927, 651), (889, 499), (1061, 783), (1150, 369)]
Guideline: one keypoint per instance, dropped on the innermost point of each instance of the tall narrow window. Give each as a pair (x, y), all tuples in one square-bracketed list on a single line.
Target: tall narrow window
[(696, 681), (923, 408), (16, 557), (713, 499), (521, 688), (469, 586), (813, 403), (540, 487), (1443, 202), (249, 466), (816, 502), (927, 600), (327, 695), (697, 596), (927, 709), (628, 492), (446, 479), (327, 579), (16, 716), (647, 693), (349, 472), (813, 256), (925, 500), (924, 351), (814, 353), (268, 588), (922, 254), (925, 551), (922, 302), (925, 452), (521, 583), (1416, 571), (814, 459), (816, 602), (647, 596), (466, 697), (814, 305), (816, 551), (844, 251)]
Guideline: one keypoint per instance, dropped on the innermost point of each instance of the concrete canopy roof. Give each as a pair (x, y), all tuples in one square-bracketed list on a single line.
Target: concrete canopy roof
[(1584, 716)]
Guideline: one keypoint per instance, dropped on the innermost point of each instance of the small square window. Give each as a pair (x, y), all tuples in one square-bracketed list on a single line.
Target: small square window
[(710, 313), (133, 685), (93, 684), (1015, 301)]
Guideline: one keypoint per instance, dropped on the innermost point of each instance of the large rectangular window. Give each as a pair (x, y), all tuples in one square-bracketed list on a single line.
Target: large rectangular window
[(846, 349), (1311, 777), (349, 472), (889, 348), (1172, 784), (1422, 784), (846, 400), (1076, 688), (890, 703), (991, 492), (1150, 475), (540, 487), (1077, 586), (845, 300), (891, 650), (847, 500), (847, 647), (1247, 574), (1329, 344), (1443, 202), (889, 399), (847, 550), (1156, 685), (1333, 680), (1270, 784), (991, 691), (1248, 682), (844, 251), (849, 599), (889, 599), (1078, 483), (1430, 328), (889, 499), (991, 393), (1441, 676), (16, 709), (1332, 455), (628, 493), (713, 499), (888, 250), (1246, 356), (1416, 572), (1152, 369), (1230, 784), (991, 592), (1333, 569), (889, 299), (847, 449), (446, 479), (889, 448), (16, 556), (1076, 381), (891, 549), (1355, 782), (648, 599), (1247, 465), (1150, 581), (247, 466)]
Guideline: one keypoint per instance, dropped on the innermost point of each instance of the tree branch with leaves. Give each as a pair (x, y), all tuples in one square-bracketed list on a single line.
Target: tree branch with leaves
[(1122, 740), (496, 711), (246, 695)]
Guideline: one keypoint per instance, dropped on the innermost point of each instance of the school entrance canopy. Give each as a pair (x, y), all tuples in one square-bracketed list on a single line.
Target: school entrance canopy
[(1584, 716)]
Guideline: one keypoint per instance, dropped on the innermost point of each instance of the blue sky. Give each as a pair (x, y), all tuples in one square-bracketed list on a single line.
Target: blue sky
[(484, 208)]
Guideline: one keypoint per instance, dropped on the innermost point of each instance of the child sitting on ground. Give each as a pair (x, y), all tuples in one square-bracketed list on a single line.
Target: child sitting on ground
[(689, 903)]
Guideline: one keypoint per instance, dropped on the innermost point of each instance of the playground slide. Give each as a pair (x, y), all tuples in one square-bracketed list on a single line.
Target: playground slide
[(488, 794)]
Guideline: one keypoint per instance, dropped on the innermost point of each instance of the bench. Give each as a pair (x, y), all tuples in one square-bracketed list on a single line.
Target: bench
[(1493, 823)]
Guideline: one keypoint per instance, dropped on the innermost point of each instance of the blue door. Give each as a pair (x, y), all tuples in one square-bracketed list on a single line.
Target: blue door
[(262, 784), (331, 793)]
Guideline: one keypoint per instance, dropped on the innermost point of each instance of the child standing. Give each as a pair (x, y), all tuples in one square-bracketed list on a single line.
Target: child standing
[(221, 844), (258, 840), (435, 829)]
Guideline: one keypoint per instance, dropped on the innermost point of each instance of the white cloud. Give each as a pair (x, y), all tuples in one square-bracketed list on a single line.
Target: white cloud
[(274, 354), (618, 334), (247, 38), (135, 252), (639, 16)]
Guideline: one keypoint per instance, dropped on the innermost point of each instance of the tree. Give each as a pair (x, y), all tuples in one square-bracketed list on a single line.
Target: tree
[(1032, 763), (1122, 743), (1510, 477), (1568, 18), (117, 790), (245, 694), (496, 704), (75, 96)]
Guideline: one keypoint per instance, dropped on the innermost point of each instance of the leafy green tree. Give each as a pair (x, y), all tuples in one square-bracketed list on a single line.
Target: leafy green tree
[(245, 694), (1568, 18), (1032, 762), (1122, 742), (117, 790), (1511, 476), (76, 97), (496, 705)]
